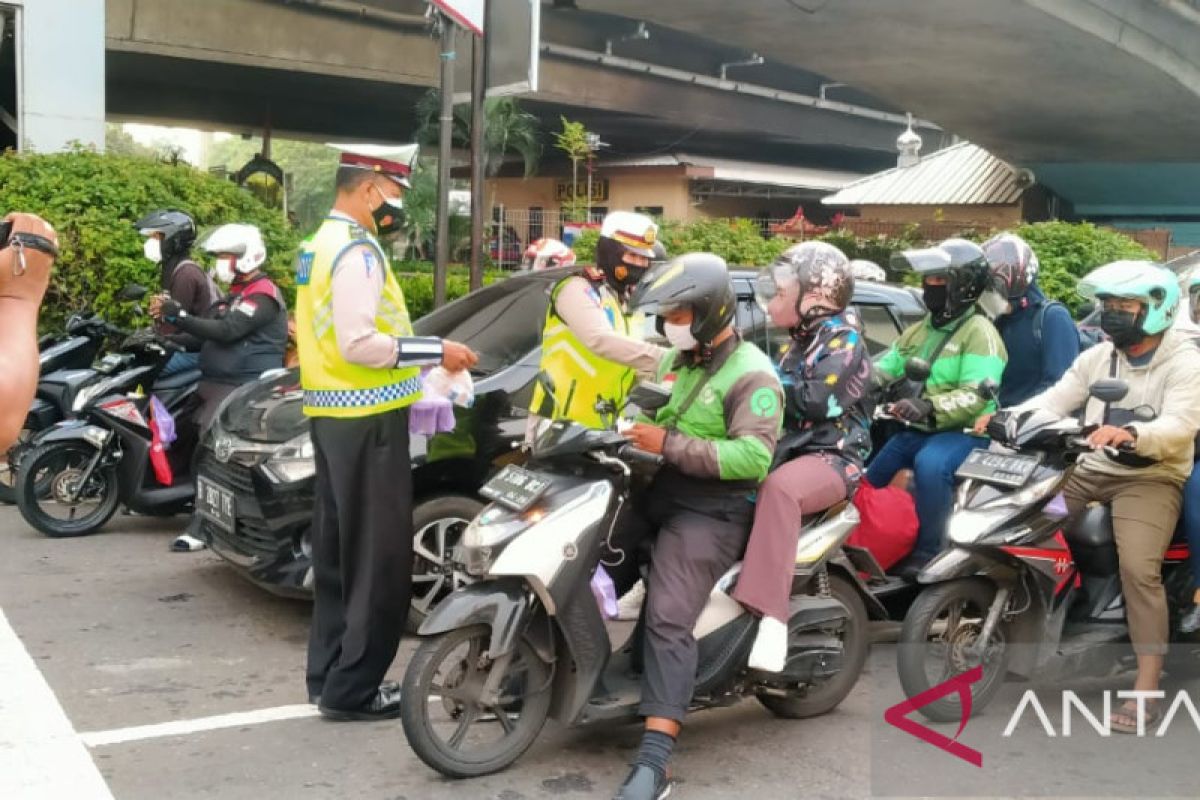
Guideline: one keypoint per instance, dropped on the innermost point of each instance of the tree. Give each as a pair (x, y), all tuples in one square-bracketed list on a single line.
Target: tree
[(93, 201), (573, 141), (508, 130)]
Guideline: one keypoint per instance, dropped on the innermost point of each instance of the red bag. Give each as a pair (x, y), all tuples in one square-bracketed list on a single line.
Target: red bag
[(888, 526)]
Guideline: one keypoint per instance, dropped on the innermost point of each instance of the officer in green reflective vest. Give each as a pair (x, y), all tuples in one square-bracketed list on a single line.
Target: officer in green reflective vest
[(591, 351), (360, 368)]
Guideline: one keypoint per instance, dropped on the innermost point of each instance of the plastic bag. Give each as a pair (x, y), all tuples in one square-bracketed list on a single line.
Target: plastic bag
[(605, 593), (457, 387), (888, 527)]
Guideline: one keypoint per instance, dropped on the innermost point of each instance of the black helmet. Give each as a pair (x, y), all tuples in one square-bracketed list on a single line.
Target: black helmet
[(696, 280), (965, 267), (177, 228)]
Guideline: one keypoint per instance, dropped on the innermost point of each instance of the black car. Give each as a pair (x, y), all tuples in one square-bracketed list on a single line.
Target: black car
[(255, 479)]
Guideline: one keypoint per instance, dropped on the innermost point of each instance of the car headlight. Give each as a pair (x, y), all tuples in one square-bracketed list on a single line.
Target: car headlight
[(293, 461)]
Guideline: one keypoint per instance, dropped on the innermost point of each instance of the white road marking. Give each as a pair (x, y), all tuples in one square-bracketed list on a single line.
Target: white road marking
[(41, 757), (184, 727)]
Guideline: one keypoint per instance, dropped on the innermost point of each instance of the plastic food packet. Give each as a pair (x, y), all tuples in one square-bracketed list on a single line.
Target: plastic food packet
[(605, 593), (457, 387)]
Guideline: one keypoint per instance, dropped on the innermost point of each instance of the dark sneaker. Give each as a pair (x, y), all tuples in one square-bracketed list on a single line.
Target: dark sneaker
[(911, 567), (384, 705), (1191, 620), (644, 783)]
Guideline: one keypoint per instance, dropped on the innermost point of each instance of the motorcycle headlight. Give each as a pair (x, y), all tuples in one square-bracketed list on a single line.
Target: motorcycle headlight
[(292, 462), (90, 393)]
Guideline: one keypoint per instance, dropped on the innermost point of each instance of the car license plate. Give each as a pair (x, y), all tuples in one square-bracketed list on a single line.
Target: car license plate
[(215, 503), (1002, 469), (515, 488)]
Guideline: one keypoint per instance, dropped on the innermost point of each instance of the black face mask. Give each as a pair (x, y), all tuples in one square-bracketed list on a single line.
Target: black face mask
[(388, 218), (1123, 327), (936, 298)]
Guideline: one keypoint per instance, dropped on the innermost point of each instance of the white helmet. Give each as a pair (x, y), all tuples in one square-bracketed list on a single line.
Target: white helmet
[(547, 254), (242, 241)]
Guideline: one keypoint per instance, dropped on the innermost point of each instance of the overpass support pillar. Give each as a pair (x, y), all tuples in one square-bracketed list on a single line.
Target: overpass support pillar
[(52, 73)]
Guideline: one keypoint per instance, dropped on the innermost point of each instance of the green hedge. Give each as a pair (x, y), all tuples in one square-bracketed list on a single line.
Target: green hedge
[(93, 202), (418, 288)]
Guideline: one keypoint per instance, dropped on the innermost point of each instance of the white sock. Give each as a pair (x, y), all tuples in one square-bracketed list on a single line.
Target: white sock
[(769, 653), (630, 604)]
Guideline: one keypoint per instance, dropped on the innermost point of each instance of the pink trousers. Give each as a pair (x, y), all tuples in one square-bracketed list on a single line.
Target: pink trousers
[(803, 486)]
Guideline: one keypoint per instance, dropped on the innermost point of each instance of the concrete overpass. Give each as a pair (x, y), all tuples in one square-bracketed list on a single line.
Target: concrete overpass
[(332, 69), (1100, 98)]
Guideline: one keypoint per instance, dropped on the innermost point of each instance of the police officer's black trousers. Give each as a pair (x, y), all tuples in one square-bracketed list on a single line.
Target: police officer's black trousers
[(362, 555), (696, 539)]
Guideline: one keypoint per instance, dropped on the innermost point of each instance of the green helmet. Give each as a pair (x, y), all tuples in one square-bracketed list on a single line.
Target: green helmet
[(1156, 287)]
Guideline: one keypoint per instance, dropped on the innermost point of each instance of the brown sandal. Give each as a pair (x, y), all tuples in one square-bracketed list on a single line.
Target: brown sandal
[(1128, 711)]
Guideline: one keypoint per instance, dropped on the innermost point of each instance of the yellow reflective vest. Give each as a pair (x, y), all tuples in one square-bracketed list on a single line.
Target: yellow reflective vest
[(580, 377), (334, 387)]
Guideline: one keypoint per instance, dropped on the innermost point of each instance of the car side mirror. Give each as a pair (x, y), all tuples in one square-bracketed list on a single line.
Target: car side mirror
[(917, 369), (1109, 390), (132, 291)]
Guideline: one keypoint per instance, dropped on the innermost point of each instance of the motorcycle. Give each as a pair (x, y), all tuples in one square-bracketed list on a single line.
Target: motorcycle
[(1023, 587), (84, 467), (64, 362), (526, 640)]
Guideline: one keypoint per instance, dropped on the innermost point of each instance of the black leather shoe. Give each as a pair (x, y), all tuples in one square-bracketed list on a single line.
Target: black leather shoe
[(384, 705), (391, 686), (1191, 620), (644, 783)]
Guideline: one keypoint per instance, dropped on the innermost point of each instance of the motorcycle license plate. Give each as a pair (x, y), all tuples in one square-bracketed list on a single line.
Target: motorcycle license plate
[(1010, 470), (515, 488), (215, 504)]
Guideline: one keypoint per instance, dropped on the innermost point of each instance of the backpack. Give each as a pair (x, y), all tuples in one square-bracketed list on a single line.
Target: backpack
[(1086, 340)]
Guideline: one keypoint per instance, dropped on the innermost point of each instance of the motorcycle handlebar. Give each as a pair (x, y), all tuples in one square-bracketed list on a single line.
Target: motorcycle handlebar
[(631, 453)]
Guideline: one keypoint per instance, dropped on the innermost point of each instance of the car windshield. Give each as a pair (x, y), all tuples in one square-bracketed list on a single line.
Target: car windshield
[(501, 322)]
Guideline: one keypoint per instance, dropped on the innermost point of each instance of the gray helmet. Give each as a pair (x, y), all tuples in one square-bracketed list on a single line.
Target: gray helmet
[(818, 268), (699, 281)]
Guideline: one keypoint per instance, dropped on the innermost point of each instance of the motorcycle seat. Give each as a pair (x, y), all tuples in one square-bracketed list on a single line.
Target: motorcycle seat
[(1090, 538), (180, 381)]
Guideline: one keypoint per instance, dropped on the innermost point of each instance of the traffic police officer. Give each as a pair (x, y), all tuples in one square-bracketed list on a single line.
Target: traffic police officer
[(360, 368), (590, 351), (716, 435)]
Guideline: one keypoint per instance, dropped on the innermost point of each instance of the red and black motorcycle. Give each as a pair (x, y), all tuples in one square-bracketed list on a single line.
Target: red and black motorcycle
[(1024, 587)]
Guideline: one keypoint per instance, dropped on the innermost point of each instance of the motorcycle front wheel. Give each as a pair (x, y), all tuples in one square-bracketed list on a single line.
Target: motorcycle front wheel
[(938, 641), (446, 725), (63, 511)]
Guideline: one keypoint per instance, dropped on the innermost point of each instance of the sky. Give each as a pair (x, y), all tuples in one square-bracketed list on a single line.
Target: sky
[(187, 138)]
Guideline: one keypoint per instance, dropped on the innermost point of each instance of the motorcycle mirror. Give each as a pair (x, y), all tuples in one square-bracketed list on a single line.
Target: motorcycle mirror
[(990, 389), (1144, 413), (132, 291), (917, 369), (1109, 390), (546, 407), (649, 396)]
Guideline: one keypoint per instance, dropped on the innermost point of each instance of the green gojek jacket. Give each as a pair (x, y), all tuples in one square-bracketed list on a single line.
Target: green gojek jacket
[(728, 433), (974, 355)]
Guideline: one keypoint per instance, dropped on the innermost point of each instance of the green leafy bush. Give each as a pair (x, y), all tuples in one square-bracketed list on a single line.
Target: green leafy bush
[(1069, 250), (585, 245), (93, 202), (418, 285)]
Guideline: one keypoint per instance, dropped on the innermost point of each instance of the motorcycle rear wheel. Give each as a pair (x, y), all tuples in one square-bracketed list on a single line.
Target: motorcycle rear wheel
[(856, 644), (950, 616), (51, 464), (445, 675)]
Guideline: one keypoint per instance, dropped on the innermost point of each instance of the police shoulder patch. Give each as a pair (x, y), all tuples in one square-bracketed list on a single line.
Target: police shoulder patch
[(304, 263)]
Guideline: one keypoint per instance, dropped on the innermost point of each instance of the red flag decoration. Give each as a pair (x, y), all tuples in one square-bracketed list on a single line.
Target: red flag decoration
[(158, 451)]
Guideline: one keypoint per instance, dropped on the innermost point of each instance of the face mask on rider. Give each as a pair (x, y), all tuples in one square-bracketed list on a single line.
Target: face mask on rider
[(1123, 327), (152, 249), (937, 295), (226, 270), (680, 336)]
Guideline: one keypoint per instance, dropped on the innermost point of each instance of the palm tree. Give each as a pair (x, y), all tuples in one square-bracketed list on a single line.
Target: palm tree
[(508, 130)]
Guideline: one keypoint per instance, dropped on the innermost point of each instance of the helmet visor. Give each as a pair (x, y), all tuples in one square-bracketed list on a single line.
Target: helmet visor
[(925, 261)]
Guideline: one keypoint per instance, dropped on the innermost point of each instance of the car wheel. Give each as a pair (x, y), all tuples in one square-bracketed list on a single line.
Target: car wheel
[(438, 522)]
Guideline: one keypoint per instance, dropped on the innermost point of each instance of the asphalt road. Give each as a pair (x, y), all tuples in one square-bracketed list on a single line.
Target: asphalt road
[(128, 634)]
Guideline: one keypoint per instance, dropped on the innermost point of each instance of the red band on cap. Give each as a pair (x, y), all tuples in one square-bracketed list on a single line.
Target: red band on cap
[(382, 165)]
